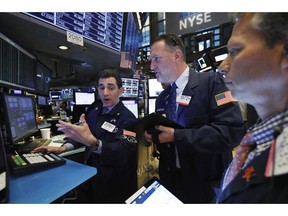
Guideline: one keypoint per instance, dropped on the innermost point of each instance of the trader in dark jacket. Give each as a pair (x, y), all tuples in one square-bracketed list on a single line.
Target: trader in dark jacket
[(193, 159), (108, 148), (256, 71)]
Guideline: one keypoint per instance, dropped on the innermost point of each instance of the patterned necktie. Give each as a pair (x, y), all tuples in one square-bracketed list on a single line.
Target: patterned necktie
[(246, 146), (173, 102), (105, 110)]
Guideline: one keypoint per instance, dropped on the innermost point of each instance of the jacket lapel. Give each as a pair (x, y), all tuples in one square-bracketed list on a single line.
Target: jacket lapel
[(253, 174)]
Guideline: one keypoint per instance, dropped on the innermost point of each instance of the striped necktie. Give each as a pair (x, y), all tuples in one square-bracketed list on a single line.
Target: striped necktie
[(105, 110)]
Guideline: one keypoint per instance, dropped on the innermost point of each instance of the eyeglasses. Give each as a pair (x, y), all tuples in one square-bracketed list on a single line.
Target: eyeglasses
[(174, 41), (170, 40)]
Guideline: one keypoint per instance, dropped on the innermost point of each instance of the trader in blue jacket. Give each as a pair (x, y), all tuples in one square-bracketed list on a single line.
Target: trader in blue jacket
[(108, 147), (193, 159)]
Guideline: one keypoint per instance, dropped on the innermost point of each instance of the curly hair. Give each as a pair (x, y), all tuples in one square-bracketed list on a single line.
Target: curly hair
[(107, 73)]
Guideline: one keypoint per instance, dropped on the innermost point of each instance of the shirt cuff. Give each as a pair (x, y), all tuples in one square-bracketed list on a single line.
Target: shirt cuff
[(69, 146)]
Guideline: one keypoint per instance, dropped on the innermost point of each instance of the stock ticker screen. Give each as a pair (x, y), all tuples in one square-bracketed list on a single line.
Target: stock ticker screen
[(101, 27)]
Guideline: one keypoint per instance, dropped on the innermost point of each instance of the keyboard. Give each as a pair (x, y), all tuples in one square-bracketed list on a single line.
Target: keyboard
[(27, 147), (20, 164)]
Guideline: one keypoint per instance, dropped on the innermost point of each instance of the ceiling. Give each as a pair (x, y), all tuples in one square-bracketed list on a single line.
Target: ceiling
[(77, 66)]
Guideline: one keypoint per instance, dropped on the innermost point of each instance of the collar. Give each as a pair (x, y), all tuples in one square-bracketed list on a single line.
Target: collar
[(264, 130), (182, 81)]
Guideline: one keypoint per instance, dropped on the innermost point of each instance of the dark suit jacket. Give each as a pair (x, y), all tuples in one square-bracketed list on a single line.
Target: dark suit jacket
[(117, 164), (205, 145), (256, 188)]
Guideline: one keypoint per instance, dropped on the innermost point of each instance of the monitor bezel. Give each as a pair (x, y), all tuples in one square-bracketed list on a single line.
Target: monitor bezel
[(134, 100), (38, 100), (131, 95), (81, 92), (7, 119), (149, 104), (149, 84)]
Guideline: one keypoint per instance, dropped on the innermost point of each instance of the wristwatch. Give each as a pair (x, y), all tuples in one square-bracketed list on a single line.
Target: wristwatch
[(94, 146)]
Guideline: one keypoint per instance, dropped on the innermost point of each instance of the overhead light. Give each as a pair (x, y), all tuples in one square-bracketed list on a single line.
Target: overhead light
[(85, 64), (139, 20), (63, 47)]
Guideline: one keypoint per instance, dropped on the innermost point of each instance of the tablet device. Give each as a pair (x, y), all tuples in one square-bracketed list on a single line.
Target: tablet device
[(153, 192), (149, 121)]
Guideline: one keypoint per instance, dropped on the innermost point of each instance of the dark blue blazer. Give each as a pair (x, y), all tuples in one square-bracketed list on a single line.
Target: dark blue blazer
[(205, 145), (117, 163), (254, 187)]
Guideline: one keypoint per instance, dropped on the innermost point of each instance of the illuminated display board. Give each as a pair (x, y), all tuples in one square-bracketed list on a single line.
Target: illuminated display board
[(103, 28)]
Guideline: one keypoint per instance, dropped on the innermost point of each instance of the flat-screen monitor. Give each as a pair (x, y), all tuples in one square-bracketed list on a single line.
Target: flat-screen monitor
[(55, 95), (4, 177), (84, 98), (132, 105), (154, 87), (20, 116), (46, 110), (131, 87), (103, 28), (204, 63), (41, 100), (151, 105), (43, 79), (219, 54), (130, 38)]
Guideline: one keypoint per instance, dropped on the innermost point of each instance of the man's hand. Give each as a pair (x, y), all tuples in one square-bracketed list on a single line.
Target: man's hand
[(56, 150), (79, 133), (166, 135)]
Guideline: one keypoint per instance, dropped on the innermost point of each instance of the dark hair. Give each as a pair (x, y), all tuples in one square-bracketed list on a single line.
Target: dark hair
[(173, 42), (107, 73), (273, 26)]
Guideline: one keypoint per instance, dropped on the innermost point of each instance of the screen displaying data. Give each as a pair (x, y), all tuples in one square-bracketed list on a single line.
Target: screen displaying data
[(131, 87), (100, 27), (132, 105)]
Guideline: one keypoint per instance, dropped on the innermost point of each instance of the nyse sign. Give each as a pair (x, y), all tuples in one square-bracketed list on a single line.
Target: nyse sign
[(182, 23), (197, 19)]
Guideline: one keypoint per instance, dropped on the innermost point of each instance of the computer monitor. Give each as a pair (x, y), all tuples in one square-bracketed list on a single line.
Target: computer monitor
[(43, 79), (55, 95), (19, 116), (4, 177), (132, 105), (41, 100), (131, 87), (154, 87), (46, 110), (151, 105), (84, 98), (204, 63)]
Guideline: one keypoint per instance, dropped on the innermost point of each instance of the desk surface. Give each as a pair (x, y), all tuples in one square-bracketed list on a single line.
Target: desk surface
[(48, 185), (64, 154)]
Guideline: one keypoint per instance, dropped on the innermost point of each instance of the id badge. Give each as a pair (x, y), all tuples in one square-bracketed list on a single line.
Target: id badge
[(108, 126)]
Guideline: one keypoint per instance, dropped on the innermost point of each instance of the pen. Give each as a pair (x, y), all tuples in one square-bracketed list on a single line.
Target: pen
[(80, 123)]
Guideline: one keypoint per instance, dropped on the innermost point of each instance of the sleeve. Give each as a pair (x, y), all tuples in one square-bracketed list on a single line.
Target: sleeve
[(220, 131)]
